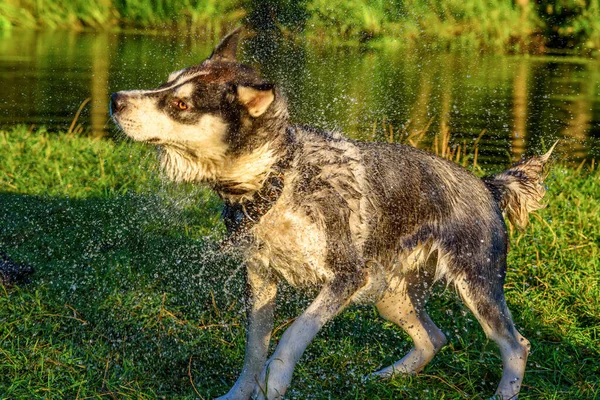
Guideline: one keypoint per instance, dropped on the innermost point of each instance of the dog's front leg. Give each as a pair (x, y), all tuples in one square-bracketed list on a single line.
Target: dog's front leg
[(332, 299), (260, 300)]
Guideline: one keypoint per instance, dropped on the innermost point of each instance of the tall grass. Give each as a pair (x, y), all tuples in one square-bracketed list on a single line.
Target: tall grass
[(441, 143), (499, 25), (503, 25), (570, 23), (104, 14)]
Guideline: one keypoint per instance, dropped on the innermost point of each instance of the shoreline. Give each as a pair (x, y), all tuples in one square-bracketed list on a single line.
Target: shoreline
[(522, 27)]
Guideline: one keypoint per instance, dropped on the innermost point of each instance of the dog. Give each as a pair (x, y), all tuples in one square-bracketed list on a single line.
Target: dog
[(365, 222)]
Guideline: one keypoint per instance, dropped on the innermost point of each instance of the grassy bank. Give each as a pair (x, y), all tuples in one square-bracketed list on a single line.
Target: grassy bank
[(501, 25), (130, 299), (107, 14)]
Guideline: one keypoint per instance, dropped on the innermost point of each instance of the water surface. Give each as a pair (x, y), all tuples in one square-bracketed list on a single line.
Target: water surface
[(522, 103)]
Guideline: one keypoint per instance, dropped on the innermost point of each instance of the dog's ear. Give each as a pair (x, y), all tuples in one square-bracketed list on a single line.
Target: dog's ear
[(227, 49), (256, 98)]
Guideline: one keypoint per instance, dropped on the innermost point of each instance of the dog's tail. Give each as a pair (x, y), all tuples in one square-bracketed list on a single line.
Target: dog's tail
[(519, 190)]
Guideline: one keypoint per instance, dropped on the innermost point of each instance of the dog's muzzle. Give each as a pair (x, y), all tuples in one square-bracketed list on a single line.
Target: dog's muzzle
[(118, 102)]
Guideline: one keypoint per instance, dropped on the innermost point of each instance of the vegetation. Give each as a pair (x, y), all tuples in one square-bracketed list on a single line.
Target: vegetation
[(568, 23), (104, 14), (521, 25), (132, 300)]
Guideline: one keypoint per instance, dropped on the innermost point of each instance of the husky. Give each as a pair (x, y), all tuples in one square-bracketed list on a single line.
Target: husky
[(373, 223)]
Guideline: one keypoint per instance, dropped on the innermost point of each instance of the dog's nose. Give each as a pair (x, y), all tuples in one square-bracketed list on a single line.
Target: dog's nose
[(117, 102)]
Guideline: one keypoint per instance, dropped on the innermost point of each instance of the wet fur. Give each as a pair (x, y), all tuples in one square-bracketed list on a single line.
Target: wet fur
[(366, 222)]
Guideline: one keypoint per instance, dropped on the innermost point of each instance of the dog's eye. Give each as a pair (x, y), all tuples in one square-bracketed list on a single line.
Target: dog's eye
[(182, 105)]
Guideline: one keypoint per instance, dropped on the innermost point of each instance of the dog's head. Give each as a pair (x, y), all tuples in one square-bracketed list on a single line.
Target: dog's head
[(204, 114)]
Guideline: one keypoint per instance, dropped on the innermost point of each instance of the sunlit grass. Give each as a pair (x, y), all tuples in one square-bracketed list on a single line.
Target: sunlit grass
[(104, 14), (501, 25), (132, 300)]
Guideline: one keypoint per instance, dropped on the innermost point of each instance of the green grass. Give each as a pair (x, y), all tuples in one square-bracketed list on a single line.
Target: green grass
[(190, 15), (132, 300), (498, 25)]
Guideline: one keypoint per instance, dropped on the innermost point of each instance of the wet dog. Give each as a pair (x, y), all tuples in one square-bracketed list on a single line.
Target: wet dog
[(365, 222)]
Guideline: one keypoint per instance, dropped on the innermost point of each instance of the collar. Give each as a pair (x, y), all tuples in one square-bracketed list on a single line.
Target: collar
[(239, 217)]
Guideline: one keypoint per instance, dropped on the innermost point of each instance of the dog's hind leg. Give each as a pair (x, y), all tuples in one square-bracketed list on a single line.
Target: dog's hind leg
[(489, 307), (404, 305)]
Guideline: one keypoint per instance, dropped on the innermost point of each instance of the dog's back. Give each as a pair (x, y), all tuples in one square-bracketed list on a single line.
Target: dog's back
[(399, 200), (421, 197)]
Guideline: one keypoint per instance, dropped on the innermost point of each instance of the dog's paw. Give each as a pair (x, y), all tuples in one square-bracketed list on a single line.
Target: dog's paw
[(498, 396), (274, 380), (261, 393), (242, 390), (229, 396), (505, 396), (374, 377), (233, 396)]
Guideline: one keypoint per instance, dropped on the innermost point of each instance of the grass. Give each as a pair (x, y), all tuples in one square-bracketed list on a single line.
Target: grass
[(192, 15), (131, 300), (499, 25)]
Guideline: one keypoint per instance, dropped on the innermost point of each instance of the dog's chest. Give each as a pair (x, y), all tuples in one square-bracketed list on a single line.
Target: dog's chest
[(290, 244)]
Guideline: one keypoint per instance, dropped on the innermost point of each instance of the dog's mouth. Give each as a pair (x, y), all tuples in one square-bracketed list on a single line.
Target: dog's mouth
[(131, 128)]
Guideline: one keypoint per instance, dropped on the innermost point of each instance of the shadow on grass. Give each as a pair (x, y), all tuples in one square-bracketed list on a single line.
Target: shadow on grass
[(125, 291), (131, 300)]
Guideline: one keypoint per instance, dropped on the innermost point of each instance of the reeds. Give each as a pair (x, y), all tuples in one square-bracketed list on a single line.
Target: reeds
[(441, 143), (106, 14), (497, 24), (500, 25)]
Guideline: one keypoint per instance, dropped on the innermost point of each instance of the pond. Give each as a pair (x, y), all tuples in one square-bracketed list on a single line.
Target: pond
[(521, 104)]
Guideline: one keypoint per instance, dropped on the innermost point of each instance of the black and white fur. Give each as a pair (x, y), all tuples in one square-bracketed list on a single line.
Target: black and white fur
[(366, 222)]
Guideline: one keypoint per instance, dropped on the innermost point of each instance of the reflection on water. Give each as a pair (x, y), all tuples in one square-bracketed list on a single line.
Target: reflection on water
[(520, 102)]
